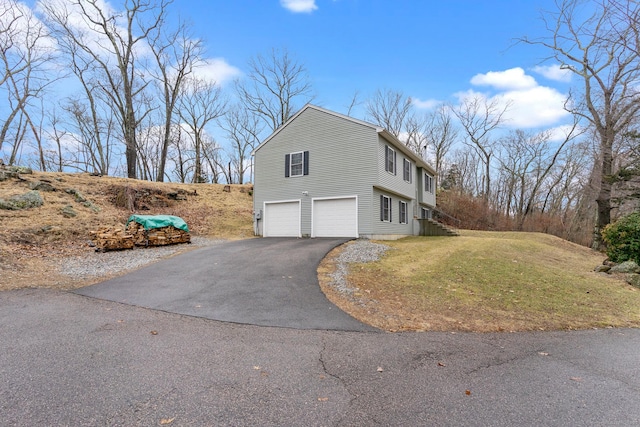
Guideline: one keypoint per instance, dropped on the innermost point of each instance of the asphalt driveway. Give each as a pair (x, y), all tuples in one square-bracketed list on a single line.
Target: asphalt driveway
[(68, 360), (264, 282)]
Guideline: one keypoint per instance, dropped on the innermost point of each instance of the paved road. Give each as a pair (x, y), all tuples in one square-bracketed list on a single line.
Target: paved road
[(70, 360), (266, 282)]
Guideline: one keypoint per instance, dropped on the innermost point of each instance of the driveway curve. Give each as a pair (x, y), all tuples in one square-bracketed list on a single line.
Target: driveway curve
[(264, 282)]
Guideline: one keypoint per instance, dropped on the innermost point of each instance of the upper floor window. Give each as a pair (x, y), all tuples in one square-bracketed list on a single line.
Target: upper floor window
[(389, 159), (403, 212), (407, 170), (428, 183), (296, 164)]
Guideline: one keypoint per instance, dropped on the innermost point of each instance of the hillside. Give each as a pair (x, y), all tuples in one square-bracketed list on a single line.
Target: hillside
[(74, 204), (484, 281)]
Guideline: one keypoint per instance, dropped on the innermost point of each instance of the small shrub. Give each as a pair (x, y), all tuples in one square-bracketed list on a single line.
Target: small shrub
[(623, 239)]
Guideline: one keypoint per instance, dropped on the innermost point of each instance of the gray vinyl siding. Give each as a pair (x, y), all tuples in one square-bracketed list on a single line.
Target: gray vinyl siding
[(388, 181), (341, 155), (393, 227), (424, 196)]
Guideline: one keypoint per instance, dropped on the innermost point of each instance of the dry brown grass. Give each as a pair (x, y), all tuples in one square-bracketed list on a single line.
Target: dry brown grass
[(480, 281), (30, 237), (486, 281)]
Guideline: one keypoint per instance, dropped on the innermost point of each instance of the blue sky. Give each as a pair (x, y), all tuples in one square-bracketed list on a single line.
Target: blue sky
[(433, 51)]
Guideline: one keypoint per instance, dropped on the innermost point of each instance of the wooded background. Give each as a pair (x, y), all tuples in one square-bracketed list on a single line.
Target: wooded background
[(135, 106)]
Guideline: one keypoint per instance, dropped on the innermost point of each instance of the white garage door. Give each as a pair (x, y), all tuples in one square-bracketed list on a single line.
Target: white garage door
[(335, 217), (282, 219)]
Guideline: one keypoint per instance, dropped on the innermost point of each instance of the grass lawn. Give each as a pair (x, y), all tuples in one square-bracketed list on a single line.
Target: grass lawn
[(488, 281)]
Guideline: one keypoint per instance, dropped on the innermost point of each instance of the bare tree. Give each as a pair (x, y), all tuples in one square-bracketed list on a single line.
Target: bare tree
[(110, 43), (56, 161), (212, 154), (390, 109), (463, 174), (243, 130), (527, 161), (200, 103), (598, 41), (92, 134), (479, 118), (440, 135), (274, 86), (176, 55), (354, 102), (183, 158), (150, 138), (25, 55)]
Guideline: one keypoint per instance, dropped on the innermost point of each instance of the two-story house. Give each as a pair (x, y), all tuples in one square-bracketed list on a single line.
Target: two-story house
[(324, 174)]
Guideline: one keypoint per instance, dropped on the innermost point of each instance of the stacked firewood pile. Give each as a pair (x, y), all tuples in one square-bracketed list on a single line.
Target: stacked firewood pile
[(157, 236), (116, 238), (111, 239)]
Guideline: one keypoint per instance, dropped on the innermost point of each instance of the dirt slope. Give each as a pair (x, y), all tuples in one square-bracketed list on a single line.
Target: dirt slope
[(75, 204)]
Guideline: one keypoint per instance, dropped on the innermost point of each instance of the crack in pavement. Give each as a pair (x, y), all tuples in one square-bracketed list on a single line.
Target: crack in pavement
[(353, 396)]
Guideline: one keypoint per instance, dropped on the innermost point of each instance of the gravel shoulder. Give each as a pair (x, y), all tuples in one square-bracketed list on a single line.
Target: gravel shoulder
[(356, 251), (104, 265), (333, 272)]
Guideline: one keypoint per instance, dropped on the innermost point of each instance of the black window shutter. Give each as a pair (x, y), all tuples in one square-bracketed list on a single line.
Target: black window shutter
[(386, 158), (390, 215), (399, 211), (394, 163), (287, 159), (305, 163), (381, 207)]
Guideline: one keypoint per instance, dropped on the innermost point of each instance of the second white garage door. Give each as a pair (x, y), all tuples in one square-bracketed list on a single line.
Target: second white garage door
[(335, 217), (282, 219)]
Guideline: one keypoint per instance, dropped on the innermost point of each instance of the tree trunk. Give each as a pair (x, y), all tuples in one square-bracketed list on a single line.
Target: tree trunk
[(131, 150), (603, 202)]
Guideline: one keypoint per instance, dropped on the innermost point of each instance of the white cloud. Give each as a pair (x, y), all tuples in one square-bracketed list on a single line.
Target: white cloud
[(92, 35), (530, 108), (514, 78), (217, 70), (427, 104), (560, 133), (299, 6), (21, 30), (553, 72), (534, 107), (530, 105)]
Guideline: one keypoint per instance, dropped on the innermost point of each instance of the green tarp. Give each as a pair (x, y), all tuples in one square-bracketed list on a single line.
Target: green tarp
[(158, 221)]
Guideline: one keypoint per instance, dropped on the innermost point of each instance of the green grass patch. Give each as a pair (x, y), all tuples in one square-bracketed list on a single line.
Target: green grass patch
[(493, 281)]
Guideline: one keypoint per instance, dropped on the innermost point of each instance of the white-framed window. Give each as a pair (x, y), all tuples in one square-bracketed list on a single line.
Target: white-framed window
[(428, 183), (297, 161), (425, 213), (296, 164), (385, 208), (406, 170), (403, 212), (389, 159)]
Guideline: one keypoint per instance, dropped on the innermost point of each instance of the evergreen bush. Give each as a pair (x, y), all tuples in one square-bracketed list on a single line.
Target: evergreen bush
[(623, 239)]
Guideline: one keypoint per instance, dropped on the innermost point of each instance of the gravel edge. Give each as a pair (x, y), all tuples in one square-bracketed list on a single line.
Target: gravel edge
[(357, 251), (98, 264)]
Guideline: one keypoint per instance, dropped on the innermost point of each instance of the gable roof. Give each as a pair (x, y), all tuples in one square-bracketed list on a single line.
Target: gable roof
[(381, 131)]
